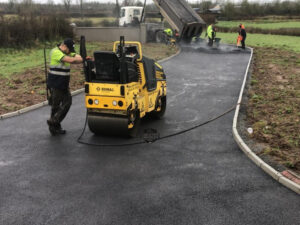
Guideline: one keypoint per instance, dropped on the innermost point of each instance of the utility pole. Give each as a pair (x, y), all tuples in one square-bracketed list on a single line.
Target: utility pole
[(81, 14), (117, 12), (143, 13), (117, 9)]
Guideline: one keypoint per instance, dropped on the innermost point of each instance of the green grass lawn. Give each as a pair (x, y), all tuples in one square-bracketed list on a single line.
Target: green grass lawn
[(8, 16), (264, 40), (12, 61), (15, 61), (261, 24)]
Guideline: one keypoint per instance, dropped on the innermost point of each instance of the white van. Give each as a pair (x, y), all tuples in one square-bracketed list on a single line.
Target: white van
[(130, 15)]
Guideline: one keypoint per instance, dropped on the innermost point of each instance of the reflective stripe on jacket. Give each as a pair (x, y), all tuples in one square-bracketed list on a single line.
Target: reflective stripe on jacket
[(59, 72)]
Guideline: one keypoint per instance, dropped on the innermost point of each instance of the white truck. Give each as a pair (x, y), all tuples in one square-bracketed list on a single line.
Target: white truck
[(130, 15)]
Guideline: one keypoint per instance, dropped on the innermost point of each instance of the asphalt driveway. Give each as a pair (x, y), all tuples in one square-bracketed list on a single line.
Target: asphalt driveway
[(200, 177)]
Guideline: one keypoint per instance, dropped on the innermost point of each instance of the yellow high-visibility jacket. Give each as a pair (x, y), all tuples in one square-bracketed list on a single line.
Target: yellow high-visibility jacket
[(209, 31), (169, 32)]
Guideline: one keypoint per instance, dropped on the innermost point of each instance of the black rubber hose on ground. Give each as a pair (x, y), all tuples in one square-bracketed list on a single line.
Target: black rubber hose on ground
[(154, 140)]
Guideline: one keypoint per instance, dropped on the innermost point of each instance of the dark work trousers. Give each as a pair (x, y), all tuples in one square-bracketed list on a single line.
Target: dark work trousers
[(210, 42), (243, 42), (61, 103)]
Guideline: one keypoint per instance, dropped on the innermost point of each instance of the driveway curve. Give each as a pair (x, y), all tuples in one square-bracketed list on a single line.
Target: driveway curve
[(200, 177)]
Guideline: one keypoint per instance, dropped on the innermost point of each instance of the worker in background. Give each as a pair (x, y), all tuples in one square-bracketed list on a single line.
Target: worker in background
[(169, 34), (211, 34), (242, 35), (58, 82)]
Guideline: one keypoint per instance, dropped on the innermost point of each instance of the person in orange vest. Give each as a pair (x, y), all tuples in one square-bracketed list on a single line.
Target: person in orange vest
[(242, 36)]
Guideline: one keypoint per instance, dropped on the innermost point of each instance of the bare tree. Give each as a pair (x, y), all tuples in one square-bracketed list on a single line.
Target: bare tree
[(129, 2), (26, 7), (11, 5), (81, 5), (67, 4), (117, 9), (50, 5)]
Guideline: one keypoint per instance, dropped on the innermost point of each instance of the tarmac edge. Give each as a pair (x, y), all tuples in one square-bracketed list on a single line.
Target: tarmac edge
[(33, 107), (172, 56), (257, 160)]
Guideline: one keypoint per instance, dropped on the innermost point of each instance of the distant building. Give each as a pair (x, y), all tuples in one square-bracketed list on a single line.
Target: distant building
[(215, 10), (210, 15)]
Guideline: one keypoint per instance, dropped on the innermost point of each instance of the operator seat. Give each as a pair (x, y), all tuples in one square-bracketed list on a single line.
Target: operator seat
[(131, 54), (107, 66)]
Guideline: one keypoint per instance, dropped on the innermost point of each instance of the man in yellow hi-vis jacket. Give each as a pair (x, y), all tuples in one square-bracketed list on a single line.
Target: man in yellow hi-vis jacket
[(58, 82), (211, 33)]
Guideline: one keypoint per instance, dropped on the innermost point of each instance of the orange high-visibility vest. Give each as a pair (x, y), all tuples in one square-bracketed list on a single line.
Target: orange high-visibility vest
[(239, 39)]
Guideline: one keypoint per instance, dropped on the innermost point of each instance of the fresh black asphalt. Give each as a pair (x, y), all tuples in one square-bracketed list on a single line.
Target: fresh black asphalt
[(200, 177)]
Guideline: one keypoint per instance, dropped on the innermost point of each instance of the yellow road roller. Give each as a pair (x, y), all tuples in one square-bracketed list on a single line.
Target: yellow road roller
[(122, 87)]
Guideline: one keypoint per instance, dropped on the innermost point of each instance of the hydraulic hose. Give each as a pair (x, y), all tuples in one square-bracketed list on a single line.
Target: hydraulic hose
[(145, 141)]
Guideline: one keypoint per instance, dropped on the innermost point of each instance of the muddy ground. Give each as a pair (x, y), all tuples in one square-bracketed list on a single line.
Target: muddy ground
[(29, 88), (272, 108)]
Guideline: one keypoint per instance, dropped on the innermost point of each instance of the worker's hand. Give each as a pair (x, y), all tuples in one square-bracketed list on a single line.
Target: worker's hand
[(89, 58)]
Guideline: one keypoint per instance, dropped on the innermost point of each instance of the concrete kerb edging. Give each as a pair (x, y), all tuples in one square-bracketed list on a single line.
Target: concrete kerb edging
[(258, 161), (39, 105), (33, 107), (170, 57)]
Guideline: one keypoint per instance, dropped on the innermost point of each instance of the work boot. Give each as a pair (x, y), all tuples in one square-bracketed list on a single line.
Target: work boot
[(59, 130), (53, 130), (54, 127)]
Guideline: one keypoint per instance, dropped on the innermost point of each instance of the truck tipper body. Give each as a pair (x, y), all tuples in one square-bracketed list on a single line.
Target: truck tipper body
[(179, 14), (181, 18)]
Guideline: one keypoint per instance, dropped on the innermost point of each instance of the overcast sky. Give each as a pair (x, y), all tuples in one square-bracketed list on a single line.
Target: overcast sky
[(148, 1)]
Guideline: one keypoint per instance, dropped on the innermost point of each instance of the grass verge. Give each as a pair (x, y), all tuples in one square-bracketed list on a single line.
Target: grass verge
[(274, 105), (289, 43), (15, 61), (260, 24), (273, 109)]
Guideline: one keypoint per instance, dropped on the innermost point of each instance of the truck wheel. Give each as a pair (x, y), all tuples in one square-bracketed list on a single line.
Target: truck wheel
[(160, 108), (160, 37), (187, 40)]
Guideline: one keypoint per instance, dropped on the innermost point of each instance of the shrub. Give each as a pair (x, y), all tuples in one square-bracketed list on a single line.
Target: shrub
[(108, 23), (24, 31), (83, 23)]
